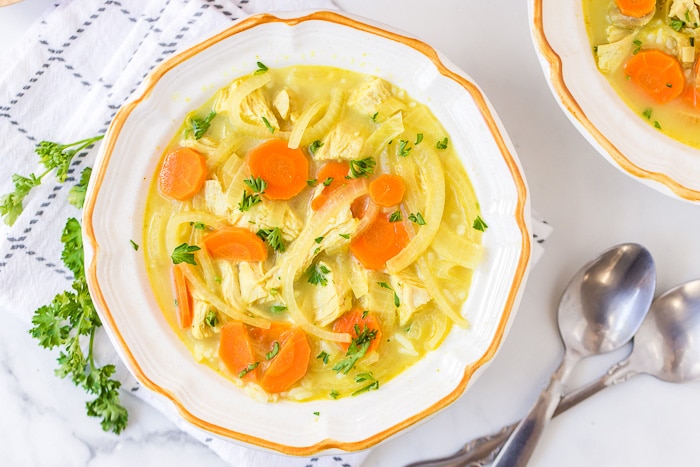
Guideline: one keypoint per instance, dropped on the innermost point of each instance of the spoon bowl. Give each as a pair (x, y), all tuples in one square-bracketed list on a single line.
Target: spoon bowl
[(667, 344), (606, 301)]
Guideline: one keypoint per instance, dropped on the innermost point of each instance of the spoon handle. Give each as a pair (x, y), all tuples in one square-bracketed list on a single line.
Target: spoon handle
[(482, 451), (518, 449)]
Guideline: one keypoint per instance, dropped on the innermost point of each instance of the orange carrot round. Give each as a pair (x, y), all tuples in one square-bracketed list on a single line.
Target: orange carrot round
[(332, 175), (387, 190), (362, 319), (657, 74), (236, 351), (284, 170), (289, 365), (183, 298), (380, 242), (182, 174), (636, 8), (235, 244)]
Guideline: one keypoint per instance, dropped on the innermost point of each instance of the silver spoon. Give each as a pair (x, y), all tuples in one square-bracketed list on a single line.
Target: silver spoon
[(600, 311), (667, 346)]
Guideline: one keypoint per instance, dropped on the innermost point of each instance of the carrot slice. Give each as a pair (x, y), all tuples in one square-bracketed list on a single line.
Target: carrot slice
[(362, 320), (290, 364), (183, 298), (380, 242), (236, 351), (657, 74), (332, 175), (182, 174), (235, 244), (387, 190), (636, 8), (284, 170)]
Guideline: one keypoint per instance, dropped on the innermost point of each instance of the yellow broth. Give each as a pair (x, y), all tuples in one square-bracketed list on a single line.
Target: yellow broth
[(416, 305), (607, 28)]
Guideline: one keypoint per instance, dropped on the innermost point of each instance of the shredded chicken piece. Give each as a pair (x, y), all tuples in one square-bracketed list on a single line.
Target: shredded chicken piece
[(411, 293), (331, 300), (369, 96), (343, 142), (256, 106)]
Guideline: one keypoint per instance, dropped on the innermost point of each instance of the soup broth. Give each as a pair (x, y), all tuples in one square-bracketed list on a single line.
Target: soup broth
[(324, 231), (651, 61)]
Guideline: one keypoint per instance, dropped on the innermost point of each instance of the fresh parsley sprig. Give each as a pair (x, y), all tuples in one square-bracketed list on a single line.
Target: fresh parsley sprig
[(362, 167), (201, 125), (272, 237), (67, 322), (53, 156), (357, 349)]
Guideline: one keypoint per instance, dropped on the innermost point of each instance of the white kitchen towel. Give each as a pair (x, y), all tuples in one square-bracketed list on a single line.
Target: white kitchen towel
[(65, 82)]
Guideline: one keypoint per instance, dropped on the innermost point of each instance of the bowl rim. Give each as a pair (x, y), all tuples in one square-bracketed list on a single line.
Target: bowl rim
[(660, 181), (290, 18)]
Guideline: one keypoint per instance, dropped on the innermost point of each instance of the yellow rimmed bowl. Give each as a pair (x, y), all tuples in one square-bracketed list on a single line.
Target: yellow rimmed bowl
[(559, 33), (114, 214)]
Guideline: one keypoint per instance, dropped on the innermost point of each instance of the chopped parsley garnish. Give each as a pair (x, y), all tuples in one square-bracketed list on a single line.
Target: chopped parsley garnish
[(328, 181), (419, 138), (277, 308), (374, 117), (318, 239), (201, 125), (442, 144), (323, 356), (248, 200), (647, 113), (417, 218), (345, 236), (317, 275), (270, 128), (677, 24), (275, 350), (384, 285), (184, 253), (312, 183), (198, 225), (313, 147), (395, 216), (363, 377), (362, 167), (637, 46), (479, 224), (404, 148), (211, 318), (272, 237), (248, 369), (261, 69), (657, 124), (317, 413), (134, 245), (334, 394), (357, 349)]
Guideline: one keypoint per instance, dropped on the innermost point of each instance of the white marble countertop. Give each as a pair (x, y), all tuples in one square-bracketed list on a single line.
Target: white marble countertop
[(591, 205)]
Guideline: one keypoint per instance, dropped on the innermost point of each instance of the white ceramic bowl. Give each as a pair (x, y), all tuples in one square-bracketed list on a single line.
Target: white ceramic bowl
[(114, 213), (630, 144)]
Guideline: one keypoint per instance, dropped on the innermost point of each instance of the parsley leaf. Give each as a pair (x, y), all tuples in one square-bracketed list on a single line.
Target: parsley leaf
[(201, 125), (442, 144), (419, 138), (317, 275), (313, 147), (275, 350), (52, 156), (184, 253), (211, 318), (479, 224), (637, 46), (404, 148), (76, 195), (69, 316), (323, 356), (248, 369), (647, 113), (395, 216), (357, 349), (134, 245), (261, 69), (334, 394), (277, 308), (417, 218), (269, 127), (272, 237), (248, 200), (362, 167), (384, 285), (677, 24)]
